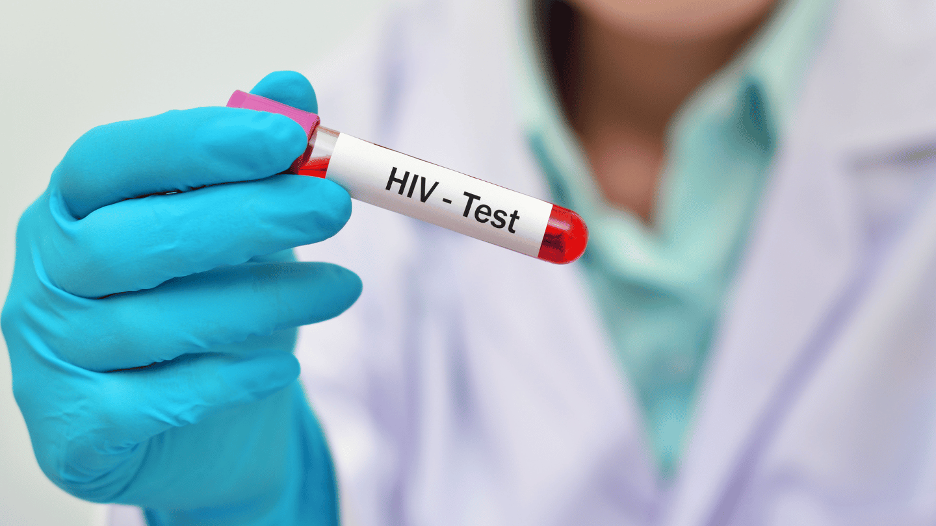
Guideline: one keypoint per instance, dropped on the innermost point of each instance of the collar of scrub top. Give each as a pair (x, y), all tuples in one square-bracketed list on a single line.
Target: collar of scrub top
[(767, 73)]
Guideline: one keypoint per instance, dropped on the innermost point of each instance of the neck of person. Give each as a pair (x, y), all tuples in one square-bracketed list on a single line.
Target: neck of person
[(620, 90)]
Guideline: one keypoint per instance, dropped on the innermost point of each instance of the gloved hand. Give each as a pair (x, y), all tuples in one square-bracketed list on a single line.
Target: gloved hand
[(150, 337)]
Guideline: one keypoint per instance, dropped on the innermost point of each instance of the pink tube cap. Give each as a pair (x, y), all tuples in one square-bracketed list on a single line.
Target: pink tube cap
[(249, 101)]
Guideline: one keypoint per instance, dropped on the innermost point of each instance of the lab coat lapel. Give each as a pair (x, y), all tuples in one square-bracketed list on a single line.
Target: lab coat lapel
[(798, 266), (807, 248)]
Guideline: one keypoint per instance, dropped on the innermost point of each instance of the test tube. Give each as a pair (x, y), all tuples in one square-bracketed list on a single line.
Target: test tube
[(422, 190)]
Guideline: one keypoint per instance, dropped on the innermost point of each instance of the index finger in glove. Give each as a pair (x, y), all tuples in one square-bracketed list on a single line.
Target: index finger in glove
[(176, 151), (140, 243)]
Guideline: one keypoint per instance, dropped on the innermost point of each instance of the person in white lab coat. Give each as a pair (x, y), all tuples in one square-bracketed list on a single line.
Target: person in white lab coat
[(472, 386), (782, 220)]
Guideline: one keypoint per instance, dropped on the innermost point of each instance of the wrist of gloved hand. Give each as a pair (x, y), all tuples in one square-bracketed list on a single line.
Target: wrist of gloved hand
[(306, 496)]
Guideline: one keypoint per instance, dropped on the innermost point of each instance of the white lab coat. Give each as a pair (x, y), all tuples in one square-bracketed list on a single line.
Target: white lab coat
[(473, 385)]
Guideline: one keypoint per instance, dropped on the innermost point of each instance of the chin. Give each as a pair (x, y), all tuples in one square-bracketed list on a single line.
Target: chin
[(675, 20)]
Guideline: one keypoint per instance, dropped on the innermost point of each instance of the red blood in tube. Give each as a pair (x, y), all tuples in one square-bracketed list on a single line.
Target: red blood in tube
[(565, 238), (315, 167)]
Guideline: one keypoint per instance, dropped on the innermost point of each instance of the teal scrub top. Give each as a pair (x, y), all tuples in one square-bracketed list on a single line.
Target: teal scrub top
[(660, 289)]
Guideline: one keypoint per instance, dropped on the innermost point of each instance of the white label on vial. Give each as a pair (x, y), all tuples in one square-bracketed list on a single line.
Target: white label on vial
[(437, 195)]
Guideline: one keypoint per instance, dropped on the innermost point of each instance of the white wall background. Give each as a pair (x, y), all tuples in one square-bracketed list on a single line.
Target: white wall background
[(66, 67)]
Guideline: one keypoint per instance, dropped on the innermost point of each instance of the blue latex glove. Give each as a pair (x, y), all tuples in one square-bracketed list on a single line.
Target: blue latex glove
[(151, 338)]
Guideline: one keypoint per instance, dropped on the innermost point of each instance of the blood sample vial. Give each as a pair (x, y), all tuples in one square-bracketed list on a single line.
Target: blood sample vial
[(425, 191)]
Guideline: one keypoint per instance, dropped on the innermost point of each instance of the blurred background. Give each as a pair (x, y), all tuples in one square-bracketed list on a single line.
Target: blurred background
[(69, 66)]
